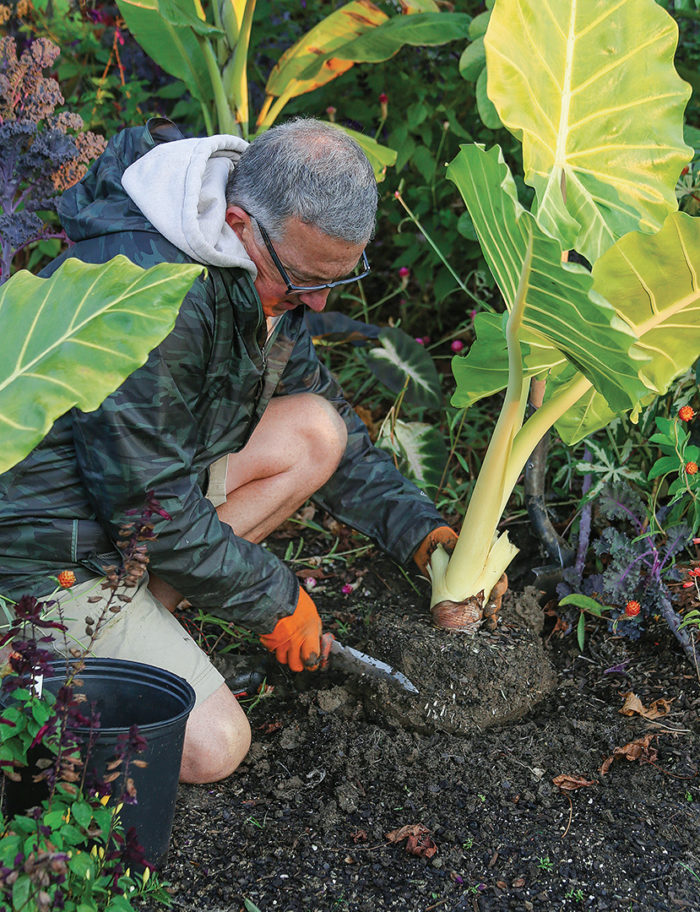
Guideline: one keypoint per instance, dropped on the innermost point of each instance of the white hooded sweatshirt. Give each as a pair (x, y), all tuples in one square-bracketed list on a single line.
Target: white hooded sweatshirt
[(180, 187)]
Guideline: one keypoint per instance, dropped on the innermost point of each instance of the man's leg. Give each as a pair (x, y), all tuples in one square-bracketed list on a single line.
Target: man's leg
[(293, 451)]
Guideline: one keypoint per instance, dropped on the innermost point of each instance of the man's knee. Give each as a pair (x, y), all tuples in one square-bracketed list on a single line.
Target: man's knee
[(217, 739), (323, 429)]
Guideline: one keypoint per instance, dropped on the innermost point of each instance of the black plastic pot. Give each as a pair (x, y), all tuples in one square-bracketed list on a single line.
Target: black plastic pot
[(159, 703)]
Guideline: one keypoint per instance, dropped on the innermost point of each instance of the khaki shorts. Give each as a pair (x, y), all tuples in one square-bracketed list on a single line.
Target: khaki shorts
[(144, 630)]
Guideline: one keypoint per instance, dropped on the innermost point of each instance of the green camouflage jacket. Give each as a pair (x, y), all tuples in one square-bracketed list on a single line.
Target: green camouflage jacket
[(199, 396)]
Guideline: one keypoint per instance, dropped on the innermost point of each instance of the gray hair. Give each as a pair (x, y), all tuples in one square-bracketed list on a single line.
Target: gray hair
[(310, 170)]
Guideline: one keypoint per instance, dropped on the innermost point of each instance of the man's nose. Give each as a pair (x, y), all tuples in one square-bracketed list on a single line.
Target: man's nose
[(315, 300)]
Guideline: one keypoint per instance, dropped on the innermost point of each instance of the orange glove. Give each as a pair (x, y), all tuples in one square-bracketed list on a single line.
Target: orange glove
[(296, 639), (444, 536)]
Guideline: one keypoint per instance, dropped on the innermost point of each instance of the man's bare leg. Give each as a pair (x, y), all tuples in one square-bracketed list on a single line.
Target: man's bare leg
[(293, 451)]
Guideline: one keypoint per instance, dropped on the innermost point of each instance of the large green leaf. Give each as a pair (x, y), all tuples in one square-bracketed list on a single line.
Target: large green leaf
[(401, 362), (316, 50), (72, 339), (483, 371), (654, 282), (561, 306), (168, 34), (419, 450), (591, 91)]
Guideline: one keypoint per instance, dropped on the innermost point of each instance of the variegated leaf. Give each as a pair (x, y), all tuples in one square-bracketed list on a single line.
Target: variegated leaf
[(419, 450), (401, 363)]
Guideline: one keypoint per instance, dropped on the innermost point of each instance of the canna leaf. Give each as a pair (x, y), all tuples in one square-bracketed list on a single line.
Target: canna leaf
[(316, 50), (167, 31), (561, 307), (418, 30), (591, 91), (72, 339)]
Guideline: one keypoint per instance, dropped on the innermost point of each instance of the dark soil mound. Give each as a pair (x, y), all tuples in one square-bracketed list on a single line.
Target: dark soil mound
[(337, 764)]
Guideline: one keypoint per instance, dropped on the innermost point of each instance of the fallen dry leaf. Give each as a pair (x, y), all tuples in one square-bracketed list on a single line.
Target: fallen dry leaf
[(633, 705), (418, 839), (365, 415), (571, 783), (314, 574), (641, 749)]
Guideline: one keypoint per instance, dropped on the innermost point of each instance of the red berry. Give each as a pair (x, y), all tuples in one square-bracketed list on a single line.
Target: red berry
[(66, 579), (686, 413), (632, 608), (691, 468)]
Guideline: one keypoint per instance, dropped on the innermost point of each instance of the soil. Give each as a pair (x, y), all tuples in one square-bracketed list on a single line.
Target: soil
[(469, 766)]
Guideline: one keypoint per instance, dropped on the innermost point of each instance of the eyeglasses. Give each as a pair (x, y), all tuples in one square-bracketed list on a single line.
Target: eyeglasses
[(302, 289)]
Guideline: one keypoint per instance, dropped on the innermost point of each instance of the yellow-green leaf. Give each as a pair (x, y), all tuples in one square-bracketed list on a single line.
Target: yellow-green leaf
[(72, 339), (560, 304), (654, 284), (332, 33), (380, 157), (591, 90)]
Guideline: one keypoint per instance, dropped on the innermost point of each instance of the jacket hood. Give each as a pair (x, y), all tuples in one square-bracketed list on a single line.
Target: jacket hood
[(146, 180)]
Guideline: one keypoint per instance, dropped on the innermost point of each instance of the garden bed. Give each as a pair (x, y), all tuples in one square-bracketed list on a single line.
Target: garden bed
[(337, 764)]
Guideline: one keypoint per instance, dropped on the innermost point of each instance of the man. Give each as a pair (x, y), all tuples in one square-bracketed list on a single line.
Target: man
[(232, 423)]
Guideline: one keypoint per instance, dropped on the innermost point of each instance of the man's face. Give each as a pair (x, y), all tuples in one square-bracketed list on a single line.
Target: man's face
[(309, 257)]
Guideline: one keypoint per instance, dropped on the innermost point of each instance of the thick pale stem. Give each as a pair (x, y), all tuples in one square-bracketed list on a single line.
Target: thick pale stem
[(536, 427), (484, 512)]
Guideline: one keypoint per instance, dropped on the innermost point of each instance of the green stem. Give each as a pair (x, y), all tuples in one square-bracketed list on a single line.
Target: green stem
[(437, 250), (485, 507), (223, 111), (195, 76), (236, 78)]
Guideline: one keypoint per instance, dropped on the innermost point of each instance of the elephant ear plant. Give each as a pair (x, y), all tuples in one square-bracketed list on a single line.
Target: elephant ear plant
[(591, 91)]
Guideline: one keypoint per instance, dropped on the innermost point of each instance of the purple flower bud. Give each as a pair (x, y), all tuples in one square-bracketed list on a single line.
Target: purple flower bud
[(347, 589), (457, 345)]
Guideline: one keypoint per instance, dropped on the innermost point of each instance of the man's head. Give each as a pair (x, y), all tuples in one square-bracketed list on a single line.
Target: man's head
[(303, 197)]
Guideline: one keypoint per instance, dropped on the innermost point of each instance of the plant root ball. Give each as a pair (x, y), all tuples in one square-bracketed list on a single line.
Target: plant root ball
[(467, 616)]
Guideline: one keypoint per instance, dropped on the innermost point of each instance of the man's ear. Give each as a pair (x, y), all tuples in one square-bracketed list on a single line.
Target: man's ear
[(237, 219)]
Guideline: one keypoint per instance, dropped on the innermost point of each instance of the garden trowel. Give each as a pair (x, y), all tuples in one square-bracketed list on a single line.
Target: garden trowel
[(345, 658)]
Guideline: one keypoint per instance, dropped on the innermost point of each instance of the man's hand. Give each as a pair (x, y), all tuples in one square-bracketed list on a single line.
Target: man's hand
[(296, 639), (444, 536)]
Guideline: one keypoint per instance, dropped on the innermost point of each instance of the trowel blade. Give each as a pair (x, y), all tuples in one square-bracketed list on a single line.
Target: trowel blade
[(348, 659)]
